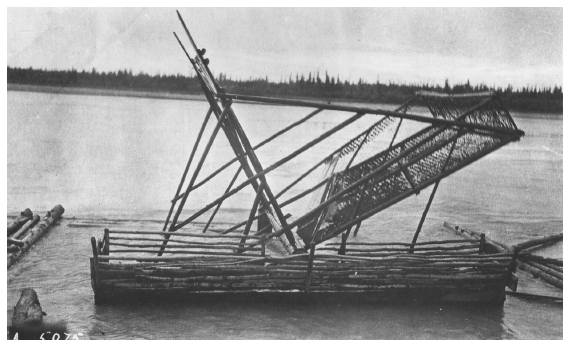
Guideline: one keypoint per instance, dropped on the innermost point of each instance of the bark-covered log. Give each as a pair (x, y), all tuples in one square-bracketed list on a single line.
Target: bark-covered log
[(540, 259), (491, 246), (546, 270), (24, 216), (539, 242), (28, 320), (18, 243), (29, 224), (13, 249), (541, 274), (33, 235)]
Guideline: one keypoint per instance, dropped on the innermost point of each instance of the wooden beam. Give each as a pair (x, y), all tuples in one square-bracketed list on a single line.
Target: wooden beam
[(261, 144), (273, 167), (365, 110), (200, 133)]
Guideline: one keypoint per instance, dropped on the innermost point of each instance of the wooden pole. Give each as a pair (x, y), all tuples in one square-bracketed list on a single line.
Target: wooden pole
[(539, 241), (188, 166), (259, 170), (263, 248), (424, 215), (432, 195), (395, 133), (252, 213), (482, 244), (220, 204), (261, 144), (200, 163), (229, 130), (271, 168), (423, 119), (285, 203), (541, 274), (196, 171), (310, 267), (357, 228), (95, 264), (527, 256), (106, 242), (342, 249)]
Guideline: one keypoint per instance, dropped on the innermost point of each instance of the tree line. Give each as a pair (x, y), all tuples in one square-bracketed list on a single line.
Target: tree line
[(327, 87)]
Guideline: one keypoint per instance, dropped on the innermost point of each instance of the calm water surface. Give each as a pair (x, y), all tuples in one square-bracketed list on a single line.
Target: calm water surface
[(122, 158)]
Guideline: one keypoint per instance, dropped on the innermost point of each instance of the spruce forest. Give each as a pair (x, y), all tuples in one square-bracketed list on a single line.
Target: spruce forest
[(316, 86)]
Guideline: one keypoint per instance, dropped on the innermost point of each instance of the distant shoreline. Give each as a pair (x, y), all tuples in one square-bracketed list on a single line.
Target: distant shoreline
[(177, 96), (102, 92)]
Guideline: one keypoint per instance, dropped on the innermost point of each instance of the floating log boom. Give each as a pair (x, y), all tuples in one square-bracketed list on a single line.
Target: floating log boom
[(24, 216), (538, 242), (36, 233), (546, 269)]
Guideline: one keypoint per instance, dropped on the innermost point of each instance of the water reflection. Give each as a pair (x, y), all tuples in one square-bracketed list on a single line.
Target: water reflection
[(242, 320)]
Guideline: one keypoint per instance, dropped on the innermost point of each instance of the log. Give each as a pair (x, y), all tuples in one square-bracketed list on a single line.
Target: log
[(18, 243), (390, 249), (400, 243), (540, 259), (538, 242), (541, 274), (174, 258), (37, 232), (197, 243), (535, 296), (182, 252), (28, 322), (173, 234), (554, 267), (214, 246), (547, 270), (17, 223), (495, 246), (21, 233)]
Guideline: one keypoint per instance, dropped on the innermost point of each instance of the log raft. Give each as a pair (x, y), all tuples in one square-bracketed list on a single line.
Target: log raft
[(17, 223), (30, 233), (548, 270), (205, 266)]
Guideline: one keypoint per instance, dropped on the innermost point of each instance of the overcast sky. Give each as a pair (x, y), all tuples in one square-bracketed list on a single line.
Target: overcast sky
[(496, 46)]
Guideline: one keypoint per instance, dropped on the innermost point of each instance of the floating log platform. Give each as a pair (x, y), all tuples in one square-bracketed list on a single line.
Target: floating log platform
[(20, 220), (548, 270), (24, 238), (124, 264)]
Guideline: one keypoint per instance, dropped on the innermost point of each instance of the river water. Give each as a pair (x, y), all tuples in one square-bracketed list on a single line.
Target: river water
[(122, 158)]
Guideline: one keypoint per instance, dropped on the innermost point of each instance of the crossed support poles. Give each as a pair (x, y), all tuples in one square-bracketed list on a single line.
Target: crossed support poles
[(228, 122), (265, 200)]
